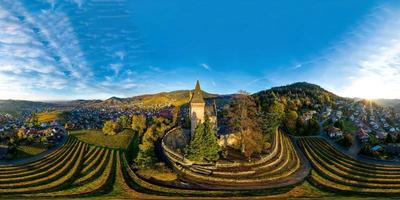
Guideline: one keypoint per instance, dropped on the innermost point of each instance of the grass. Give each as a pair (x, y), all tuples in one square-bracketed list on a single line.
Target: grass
[(111, 184), (47, 116), (28, 151), (160, 175), (349, 127), (98, 138)]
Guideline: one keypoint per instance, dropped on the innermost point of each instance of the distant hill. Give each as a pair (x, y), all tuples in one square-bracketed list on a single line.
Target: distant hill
[(301, 94), (16, 106), (395, 103), (175, 98)]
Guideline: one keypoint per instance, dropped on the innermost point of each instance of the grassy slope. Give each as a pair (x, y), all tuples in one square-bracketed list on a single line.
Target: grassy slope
[(28, 151), (97, 137), (47, 116)]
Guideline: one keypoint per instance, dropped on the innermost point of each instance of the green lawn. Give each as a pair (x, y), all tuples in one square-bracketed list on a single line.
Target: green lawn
[(97, 137), (349, 127)]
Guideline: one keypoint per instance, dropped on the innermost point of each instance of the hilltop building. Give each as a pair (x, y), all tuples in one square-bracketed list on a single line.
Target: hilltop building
[(199, 110)]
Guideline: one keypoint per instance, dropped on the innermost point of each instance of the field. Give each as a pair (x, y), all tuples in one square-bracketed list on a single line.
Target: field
[(335, 171), (98, 138), (47, 116), (24, 151), (92, 171)]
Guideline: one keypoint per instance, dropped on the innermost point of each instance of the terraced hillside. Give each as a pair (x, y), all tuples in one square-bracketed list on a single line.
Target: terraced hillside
[(78, 169), (336, 171), (281, 167)]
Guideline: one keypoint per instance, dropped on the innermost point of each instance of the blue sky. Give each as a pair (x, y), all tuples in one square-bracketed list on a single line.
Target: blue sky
[(86, 49)]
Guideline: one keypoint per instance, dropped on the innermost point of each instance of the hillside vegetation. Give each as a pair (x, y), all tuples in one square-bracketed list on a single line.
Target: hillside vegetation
[(98, 138), (290, 102), (175, 98)]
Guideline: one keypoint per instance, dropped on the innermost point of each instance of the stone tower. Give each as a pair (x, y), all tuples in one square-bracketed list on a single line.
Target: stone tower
[(197, 108)]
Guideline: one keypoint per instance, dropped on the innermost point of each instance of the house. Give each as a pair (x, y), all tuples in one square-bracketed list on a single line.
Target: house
[(381, 135), (334, 132), (362, 135), (308, 115), (393, 148), (339, 114)]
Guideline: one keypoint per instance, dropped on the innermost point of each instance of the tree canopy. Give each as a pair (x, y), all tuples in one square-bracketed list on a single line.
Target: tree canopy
[(204, 144)]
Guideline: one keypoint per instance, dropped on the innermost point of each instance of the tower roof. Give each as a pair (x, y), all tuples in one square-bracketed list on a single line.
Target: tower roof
[(197, 96)]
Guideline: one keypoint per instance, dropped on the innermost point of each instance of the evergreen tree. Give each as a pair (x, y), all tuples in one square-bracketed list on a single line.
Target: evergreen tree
[(204, 144), (389, 138)]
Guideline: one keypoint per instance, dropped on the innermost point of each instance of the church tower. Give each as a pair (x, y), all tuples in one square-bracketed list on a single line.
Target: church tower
[(197, 108)]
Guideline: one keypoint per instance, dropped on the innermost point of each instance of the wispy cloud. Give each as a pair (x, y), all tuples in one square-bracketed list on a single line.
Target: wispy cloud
[(59, 48), (366, 63), (205, 66)]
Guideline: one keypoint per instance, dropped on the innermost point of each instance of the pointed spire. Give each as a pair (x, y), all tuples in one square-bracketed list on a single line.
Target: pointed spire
[(197, 94), (197, 88)]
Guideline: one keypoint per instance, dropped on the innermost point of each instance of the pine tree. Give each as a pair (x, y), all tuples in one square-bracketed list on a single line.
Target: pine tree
[(204, 144)]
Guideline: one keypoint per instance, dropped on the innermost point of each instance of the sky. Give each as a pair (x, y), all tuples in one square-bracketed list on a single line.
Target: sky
[(95, 49)]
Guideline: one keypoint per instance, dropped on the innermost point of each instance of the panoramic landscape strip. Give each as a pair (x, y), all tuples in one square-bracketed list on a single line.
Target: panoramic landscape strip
[(199, 99), (178, 154)]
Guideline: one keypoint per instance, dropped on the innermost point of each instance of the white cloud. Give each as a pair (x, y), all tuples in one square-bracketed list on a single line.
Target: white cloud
[(116, 67), (205, 66)]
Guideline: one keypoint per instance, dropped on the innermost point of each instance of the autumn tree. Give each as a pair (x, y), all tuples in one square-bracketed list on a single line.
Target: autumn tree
[(21, 133), (278, 109), (146, 156), (124, 122), (139, 123), (111, 128), (242, 117), (290, 121)]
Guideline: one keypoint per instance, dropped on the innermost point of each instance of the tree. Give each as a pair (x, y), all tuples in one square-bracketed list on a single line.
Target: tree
[(47, 132), (278, 109), (312, 127), (347, 140), (389, 138), (398, 138), (291, 121), (21, 133), (269, 122), (243, 118), (124, 122), (146, 156), (372, 140), (139, 123), (110, 127), (204, 145), (366, 150), (339, 124)]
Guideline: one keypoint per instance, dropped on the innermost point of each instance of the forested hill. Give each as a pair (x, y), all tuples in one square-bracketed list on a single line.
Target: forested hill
[(296, 96)]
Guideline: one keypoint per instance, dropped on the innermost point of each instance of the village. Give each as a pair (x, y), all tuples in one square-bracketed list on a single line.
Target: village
[(370, 130)]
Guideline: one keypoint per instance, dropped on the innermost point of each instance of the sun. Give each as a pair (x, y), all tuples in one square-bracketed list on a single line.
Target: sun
[(369, 87)]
